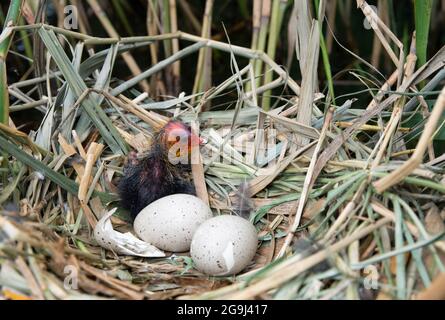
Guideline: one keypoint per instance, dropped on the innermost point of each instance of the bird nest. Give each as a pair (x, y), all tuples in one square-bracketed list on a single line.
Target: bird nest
[(343, 208)]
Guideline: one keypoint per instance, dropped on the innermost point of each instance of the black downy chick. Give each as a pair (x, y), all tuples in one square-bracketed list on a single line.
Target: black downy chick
[(155, 176)]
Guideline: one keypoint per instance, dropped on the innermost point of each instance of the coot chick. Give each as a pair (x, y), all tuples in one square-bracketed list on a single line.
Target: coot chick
[(164, 171)]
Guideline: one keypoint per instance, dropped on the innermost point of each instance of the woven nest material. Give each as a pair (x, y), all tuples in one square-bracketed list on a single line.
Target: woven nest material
[(342, 205)]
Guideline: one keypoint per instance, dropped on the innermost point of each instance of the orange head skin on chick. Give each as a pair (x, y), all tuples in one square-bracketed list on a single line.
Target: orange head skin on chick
[(179, 136), (159, 174)]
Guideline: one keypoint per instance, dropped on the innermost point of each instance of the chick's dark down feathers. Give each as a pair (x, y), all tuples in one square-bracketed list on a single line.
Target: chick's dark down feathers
[(152, 178)]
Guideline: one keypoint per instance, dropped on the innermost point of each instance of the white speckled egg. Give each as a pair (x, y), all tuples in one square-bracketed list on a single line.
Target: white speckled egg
[(224, 245), (170, 222)]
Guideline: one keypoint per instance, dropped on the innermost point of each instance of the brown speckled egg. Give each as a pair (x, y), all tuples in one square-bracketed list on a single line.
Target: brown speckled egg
[(224, 245), (170, 222)]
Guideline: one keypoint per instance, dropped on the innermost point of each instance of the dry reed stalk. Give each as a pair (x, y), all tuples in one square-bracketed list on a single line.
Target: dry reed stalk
[(278, 10), (198, 169), (85, 183), (129, 138), (108, 26), (175, 46), (155, 120), (297, 127), (70, 151), (401, 153), (309, 79), (367, 127), (307, 185), (426, 114), (388, 132), (67, 148), (96, 150), (256, 22), (416, 159), (152, 22), (345, 213), (251, 87), (78, 145), (262, 36), (303, 18), (203, 67), (91, 218), (259, 183), (436, 160), (376, 44), (381, 30), (396, 114), (86, 178), (382, 91)]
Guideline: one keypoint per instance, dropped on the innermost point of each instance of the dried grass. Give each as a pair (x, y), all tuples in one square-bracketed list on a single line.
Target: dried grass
[(352, 192)]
